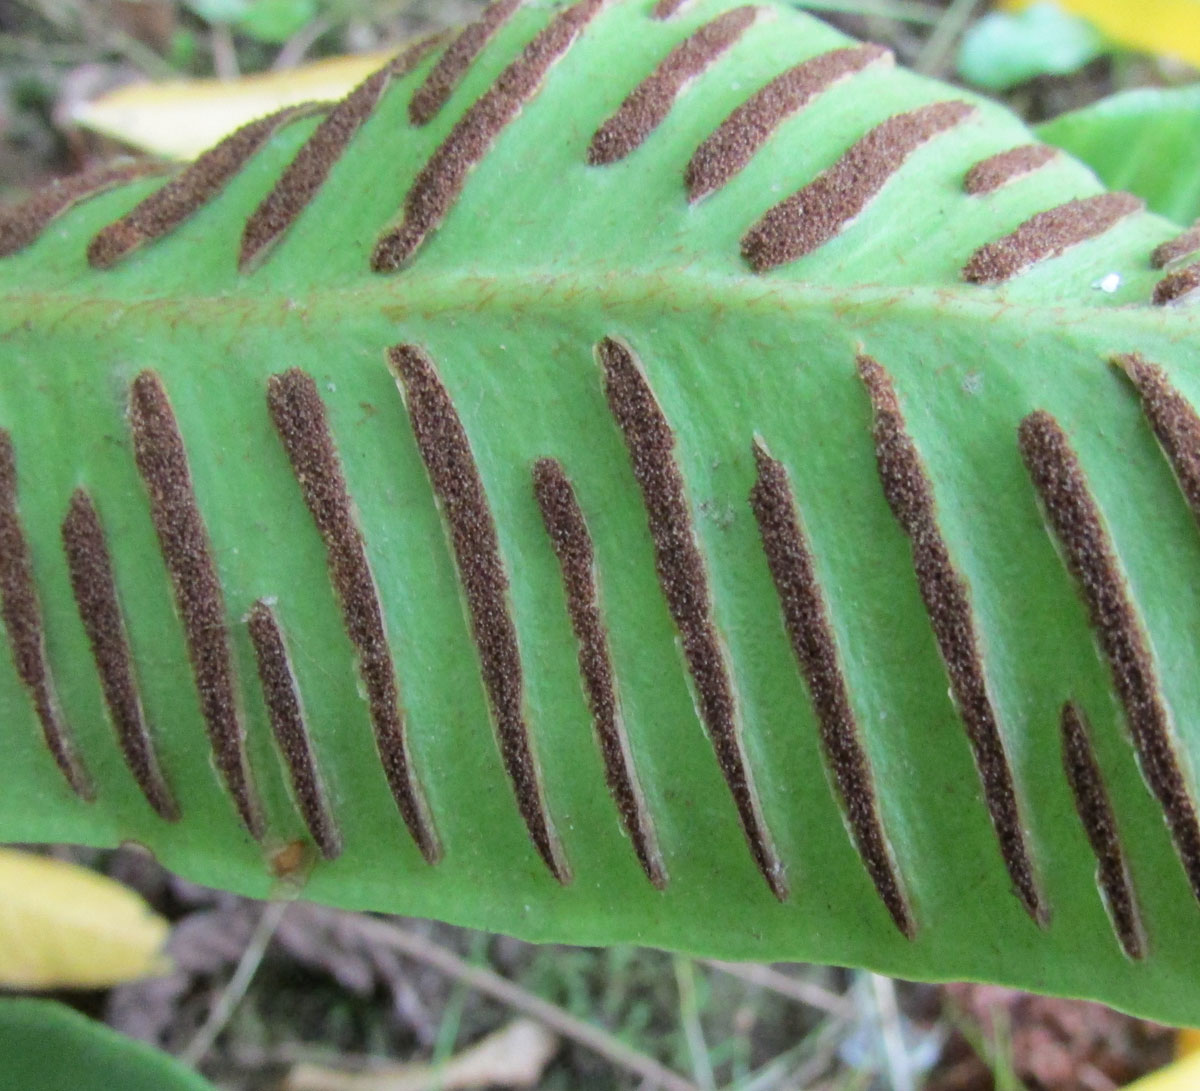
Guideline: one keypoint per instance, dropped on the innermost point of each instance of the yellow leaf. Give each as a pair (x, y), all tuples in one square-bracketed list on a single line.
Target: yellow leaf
[(63, 926), (1181, 1076), (181, 118), (514, 1056), (1169, 27), (1187, 1042)]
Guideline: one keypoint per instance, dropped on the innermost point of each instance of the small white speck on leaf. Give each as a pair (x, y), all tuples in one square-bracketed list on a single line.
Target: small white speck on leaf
[(1108, 283)]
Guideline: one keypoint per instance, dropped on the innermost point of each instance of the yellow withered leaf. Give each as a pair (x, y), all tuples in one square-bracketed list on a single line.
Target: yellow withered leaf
[(63, 926), (1167, 27), (1183, 1075), (181, 118)]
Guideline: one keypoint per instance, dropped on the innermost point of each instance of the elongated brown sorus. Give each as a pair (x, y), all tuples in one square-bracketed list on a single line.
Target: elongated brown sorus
[(572, 544), (1074, 518), (1100, 825), (23, 223), (909, 494), (441, 180), (1175, 423), (806, 620), (815, 214), (664, 9), (95, 590), (183, 538), (428, 99), (189, 191), (1183, 244), (306, 173), (1174, 286), (1047, 235), (684, 582), (735, 141), (299, 416), (22, 614), (446, 452), (282, 698), (647, 105), (988, 175)]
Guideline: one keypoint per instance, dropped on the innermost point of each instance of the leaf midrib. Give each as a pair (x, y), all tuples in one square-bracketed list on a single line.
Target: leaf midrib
[(675, 293)]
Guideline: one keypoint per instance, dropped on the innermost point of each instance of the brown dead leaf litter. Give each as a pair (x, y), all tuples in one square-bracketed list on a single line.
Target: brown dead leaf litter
[(355, 1002)]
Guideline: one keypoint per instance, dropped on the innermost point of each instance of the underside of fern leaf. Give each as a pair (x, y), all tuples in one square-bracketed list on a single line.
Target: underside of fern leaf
[(630, 472)]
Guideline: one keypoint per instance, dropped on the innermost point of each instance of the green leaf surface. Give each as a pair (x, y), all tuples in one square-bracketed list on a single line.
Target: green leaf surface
[(51, 1047), (1143, 141), (570, 303)]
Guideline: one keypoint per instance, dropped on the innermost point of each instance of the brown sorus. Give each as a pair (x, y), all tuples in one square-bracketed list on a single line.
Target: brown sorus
[(1174, 421), (1183, 244), (306, 173), (428, 99), (998, 170), (807, 622), (183, 538), (95, 590), (1047, 235), (197, 184), (733, 144), (814, 215), (446, 452), (1074, 517), (684, 582), (1178, 284), (23, 223), (22, 613), (282, 697), (1100, 825), (441, 180), (909, 494), (648, 104), (299, 416), (572, 544)]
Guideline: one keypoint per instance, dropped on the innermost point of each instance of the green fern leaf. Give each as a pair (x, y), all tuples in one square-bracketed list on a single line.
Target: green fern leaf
[(630, 472)]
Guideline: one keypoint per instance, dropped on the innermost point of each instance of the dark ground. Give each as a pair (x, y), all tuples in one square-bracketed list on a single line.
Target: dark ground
[(332, 989)]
